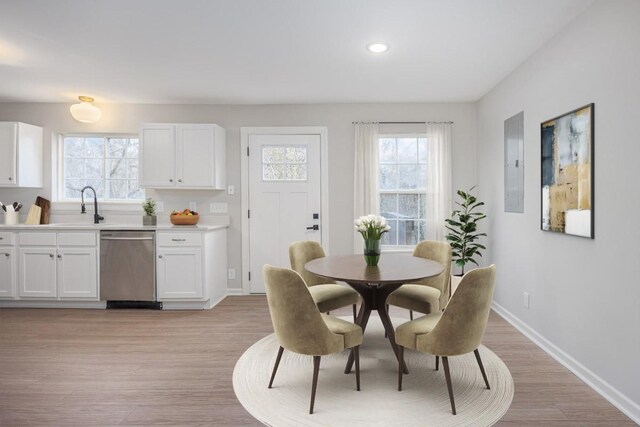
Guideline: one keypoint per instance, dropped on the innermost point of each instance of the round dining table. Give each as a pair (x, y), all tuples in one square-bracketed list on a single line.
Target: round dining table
[(375, 284)]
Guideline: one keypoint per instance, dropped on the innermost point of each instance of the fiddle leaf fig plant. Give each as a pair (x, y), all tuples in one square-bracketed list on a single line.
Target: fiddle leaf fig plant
[(463, 235)]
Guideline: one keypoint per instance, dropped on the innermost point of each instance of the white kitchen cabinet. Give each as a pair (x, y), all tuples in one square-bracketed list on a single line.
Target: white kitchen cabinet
[(77, 273), (21, 155), (7, 265), (61, 266), (38, 272), (179, 273), (187, 156), (191, 268)]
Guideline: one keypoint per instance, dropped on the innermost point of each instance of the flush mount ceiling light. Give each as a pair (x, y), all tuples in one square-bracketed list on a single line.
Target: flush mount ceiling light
[(85, 111), (377, 47)]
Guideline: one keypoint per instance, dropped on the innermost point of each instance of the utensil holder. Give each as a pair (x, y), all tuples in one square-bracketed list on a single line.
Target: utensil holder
[(11, 218)]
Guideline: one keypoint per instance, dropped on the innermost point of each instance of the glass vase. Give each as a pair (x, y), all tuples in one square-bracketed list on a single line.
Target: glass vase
[(372, 251)]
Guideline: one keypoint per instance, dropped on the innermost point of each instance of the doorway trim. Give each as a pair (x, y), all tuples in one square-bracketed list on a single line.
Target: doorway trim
[(245, 132)]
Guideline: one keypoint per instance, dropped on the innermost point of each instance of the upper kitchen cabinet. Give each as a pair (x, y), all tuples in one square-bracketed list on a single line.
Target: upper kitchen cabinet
[(20, 155), (189, 156)]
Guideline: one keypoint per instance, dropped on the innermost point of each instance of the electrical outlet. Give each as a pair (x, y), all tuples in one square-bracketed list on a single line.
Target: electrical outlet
[(193, 206), (231, 190), (526, 300), (159, 206), (231, 274), (218, 208)]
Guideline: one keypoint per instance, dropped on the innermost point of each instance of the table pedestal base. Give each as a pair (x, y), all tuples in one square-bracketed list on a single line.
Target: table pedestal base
[(373, 298)]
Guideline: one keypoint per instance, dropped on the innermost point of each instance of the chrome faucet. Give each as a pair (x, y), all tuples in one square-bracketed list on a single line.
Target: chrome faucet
[(96, 218)]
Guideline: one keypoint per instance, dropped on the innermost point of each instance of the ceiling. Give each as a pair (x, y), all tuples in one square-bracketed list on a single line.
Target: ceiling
[(268, 51)]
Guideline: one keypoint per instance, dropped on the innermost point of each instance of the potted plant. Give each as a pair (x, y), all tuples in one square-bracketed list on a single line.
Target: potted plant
[(463, 226), (149, 218)]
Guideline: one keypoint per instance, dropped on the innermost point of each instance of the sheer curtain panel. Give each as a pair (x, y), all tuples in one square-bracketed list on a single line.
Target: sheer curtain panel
[(438, 200), (366, 198)]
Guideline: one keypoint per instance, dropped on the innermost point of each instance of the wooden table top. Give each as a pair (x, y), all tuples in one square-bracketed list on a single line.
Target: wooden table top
[(392, 268)]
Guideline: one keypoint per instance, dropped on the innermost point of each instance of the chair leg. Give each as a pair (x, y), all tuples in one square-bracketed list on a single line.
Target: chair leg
[(356, 355), (355, 315), (484, 375), (275, 367), (411, 314), (447, 375), (385, 331), (314, 383), (401, 356), (437, 362)]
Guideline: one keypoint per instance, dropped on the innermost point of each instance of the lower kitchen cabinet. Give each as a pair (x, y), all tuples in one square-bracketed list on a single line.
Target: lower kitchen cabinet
[(77, 268), (7, 273), (179, 273), (38, 272), (60, 266), (191, 268)]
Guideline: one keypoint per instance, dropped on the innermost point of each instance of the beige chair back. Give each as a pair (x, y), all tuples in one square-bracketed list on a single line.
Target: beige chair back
[(462, 325), (301, 253), (440, 252), (296, 319)]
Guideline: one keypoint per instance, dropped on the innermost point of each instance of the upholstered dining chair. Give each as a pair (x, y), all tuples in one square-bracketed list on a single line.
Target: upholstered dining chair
[(328, 295), (428, 295), (301, 328), (456, 331)]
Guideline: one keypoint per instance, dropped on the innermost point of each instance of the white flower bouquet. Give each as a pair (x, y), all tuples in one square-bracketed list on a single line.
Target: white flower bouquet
[(372, 226)]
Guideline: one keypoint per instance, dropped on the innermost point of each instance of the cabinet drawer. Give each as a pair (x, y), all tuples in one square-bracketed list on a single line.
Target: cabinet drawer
[(77, 239), (6, 238), (180, 239), (37, 239)]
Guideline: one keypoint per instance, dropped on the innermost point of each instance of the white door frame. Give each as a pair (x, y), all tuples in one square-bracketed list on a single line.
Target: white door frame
[(245, 132)]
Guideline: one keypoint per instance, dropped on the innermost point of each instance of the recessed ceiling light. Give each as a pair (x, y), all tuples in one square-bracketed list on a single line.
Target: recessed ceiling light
[(377, 47)]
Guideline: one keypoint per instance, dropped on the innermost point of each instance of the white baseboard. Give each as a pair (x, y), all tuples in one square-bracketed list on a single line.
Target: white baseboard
[(52, 304), (606, 390), (235, 291)]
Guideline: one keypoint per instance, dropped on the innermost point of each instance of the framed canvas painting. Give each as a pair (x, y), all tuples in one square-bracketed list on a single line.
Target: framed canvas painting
[(567, 173)]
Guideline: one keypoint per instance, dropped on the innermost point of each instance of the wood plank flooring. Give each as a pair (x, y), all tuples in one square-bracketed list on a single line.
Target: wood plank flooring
[(63, 367)]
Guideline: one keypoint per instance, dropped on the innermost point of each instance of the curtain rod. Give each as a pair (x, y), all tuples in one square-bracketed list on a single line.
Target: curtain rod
[(402, 123)]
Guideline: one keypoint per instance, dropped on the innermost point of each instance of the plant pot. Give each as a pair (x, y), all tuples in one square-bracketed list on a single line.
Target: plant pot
[(149, 220), (372, 251)]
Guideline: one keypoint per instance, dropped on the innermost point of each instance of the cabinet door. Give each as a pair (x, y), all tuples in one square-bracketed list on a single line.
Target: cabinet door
[(38, 272), (77, 273), (195, 156), (179, 273), (8, 147), (7, 277), (157, 156)]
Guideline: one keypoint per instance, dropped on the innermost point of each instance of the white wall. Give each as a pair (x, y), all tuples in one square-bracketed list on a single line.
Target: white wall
[(585, 294), (337, 118)]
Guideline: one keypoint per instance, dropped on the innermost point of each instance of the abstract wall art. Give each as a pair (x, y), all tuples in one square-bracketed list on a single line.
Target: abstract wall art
[(567, 173)]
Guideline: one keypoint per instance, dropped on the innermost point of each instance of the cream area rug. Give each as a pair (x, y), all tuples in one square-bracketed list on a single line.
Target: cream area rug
[(423, 400)]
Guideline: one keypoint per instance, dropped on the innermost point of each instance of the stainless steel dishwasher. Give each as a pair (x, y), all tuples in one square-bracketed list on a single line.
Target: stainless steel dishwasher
[(128, 269)]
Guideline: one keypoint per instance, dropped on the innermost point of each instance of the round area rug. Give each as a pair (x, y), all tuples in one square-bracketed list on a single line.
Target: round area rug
[(423, 401)]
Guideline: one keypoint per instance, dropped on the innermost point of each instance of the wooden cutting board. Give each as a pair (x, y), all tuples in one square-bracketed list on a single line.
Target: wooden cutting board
[(45, 206), (33, 218)]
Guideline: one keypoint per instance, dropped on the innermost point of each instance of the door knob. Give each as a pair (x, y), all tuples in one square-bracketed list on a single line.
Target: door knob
[(170, 180), (179, 180), (160, 256), (50, 255), (59, 256), (314, 227)]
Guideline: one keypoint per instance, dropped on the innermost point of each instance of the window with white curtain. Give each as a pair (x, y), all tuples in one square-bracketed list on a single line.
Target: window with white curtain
[(107, 163), (403, 177)]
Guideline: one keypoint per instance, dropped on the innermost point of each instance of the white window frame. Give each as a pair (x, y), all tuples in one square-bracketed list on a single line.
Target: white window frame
[(400, 248), (57, 175)]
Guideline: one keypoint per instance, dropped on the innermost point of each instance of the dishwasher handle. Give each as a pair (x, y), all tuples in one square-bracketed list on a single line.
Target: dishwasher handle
[(126, 238)]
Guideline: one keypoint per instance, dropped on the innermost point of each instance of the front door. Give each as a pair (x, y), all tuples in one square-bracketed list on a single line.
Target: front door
[(284, 199)]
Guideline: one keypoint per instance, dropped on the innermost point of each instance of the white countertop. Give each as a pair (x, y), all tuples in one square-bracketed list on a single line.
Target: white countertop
[(107, 226)]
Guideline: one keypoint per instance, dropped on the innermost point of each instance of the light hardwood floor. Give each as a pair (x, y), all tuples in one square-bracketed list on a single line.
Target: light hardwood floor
[(138, 367)]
